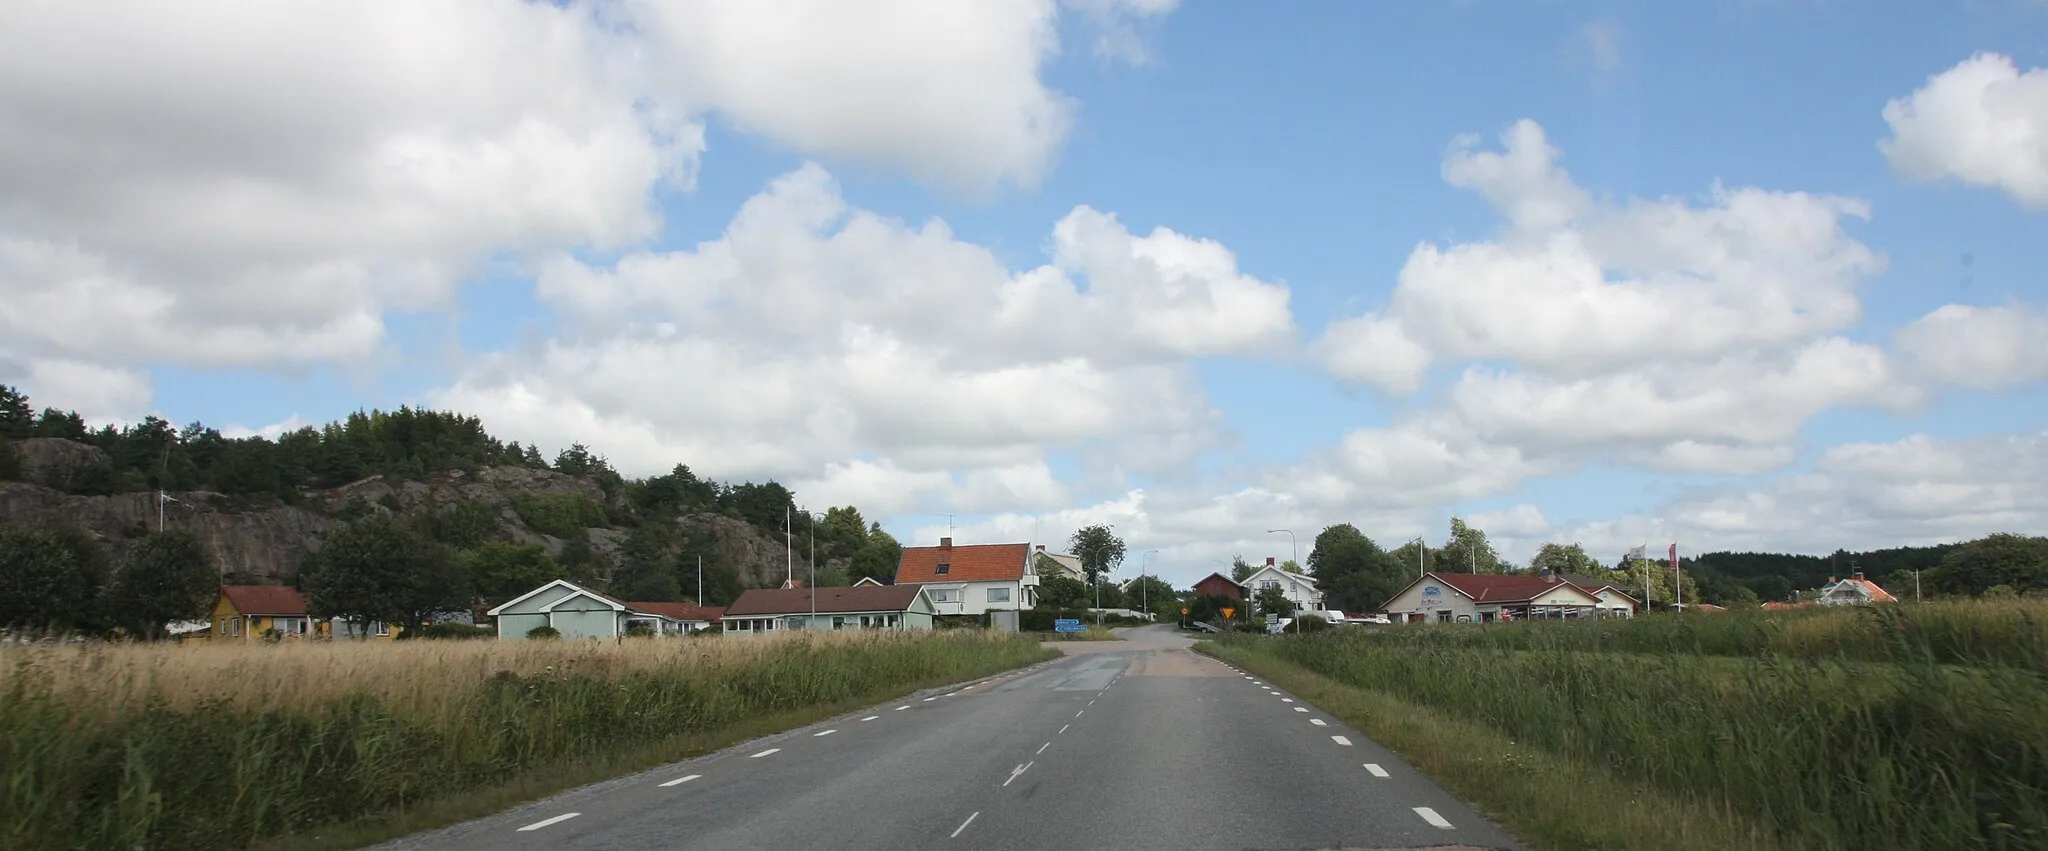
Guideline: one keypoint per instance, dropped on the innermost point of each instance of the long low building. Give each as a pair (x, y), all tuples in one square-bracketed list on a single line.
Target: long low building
[(1470, 597), (767, 610)]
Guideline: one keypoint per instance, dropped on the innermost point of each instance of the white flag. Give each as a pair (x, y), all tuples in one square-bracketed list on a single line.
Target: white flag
[(1636, 553)]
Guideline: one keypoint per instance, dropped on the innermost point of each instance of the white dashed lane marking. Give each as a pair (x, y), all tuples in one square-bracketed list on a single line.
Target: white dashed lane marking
[(1375, 769), (1430, 816), (964, 824), (1318, 722), (1286, 700), (1341, 740), (871, 718), (1301, 709), (765, 753), (823, 733), (1019, 772), (1063, 728), (548, 821), (681, 780), (1041, 748), (901, 708)]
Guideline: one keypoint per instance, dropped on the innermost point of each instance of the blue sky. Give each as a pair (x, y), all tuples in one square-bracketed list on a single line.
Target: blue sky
[(1312, 144)]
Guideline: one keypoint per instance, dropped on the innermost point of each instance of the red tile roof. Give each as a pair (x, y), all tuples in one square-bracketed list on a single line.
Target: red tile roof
[(790, 601), (1874, 593), (1491, 588), (265, 600), (969, 563), (681, 611)]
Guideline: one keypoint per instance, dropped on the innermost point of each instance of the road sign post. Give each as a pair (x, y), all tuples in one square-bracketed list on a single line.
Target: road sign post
[(1067, 625)]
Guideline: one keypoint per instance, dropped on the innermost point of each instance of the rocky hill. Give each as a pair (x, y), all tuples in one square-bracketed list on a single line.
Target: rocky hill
[(261, 541)]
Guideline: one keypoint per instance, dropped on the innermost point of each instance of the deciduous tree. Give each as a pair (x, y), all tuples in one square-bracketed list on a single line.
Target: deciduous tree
[(1099, 549), (167, 576)]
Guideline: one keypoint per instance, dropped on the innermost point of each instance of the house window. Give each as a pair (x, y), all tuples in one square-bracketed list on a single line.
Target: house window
[(999, 595), (946, 595), (235, 626), (892, 620), (838, 622), (945, 569), (1269, 584)]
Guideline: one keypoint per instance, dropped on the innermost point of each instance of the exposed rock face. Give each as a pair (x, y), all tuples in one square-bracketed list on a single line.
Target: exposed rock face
[(264, 542), (54, 462)]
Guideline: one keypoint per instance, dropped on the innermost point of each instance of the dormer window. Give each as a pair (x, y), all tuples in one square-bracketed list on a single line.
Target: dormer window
[(945, 569)]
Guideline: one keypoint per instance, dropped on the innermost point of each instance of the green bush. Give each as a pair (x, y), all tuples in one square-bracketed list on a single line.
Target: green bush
[(1309, 623), (639, 630), (562, 515), (544, 632)]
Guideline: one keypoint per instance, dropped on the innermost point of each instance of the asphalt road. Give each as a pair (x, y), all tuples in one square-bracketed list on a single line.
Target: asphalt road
[(1127, 745)]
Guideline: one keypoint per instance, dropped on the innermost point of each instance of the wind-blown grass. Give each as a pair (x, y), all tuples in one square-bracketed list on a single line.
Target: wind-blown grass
[(1961, 632), (170, 747), (1940, 747)]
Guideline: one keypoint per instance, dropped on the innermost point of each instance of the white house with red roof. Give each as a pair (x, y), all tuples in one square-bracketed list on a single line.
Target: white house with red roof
[(1475, 597), (1299, 589), (1854, 591), (973, 578)]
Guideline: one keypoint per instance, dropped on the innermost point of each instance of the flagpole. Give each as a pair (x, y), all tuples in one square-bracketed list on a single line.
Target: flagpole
[(1677, 581), (700, 582)]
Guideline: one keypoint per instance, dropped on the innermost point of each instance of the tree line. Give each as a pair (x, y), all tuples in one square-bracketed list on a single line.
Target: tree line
[(457, 555)]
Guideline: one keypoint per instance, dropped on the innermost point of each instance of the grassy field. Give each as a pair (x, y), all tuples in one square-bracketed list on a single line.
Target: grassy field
[(1903, 727), (172, 747)]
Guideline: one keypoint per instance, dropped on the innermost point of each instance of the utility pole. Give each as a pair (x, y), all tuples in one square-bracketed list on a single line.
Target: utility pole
[(814, 565), (700, 582)]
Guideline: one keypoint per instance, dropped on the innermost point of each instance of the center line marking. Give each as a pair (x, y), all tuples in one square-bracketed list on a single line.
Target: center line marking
[(1318, 722), (901, 708), (1286, 700), (681, 780), (1430, 816), (823, 733), (930, 699), (1301, 709), (1019, 772), (1041, 748), (1063, 728), (1341, 740), (545, 822), (1375, 769), (765, 753), (964, 824), (871, 718)]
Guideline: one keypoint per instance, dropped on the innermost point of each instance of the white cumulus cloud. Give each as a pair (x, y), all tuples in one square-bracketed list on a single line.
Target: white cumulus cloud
[(1982, 122), (1988, 348)]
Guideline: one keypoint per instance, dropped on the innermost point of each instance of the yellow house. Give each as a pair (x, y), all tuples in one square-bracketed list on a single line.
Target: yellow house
[(252, 611)]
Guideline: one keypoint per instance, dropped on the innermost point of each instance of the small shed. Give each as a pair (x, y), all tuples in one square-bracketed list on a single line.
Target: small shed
[(1218, 585)]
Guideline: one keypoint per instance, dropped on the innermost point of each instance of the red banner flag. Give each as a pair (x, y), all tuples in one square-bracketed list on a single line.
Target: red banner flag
[(1674, 558)]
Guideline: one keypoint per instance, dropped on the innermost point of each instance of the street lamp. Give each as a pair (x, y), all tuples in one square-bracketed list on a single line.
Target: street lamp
[(1421, 546), (1144, 587)]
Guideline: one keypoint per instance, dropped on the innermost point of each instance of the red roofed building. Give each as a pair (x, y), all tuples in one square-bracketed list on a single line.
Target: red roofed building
[(686, 615), (973, 578), (1218, 585), (766, 610), (1470, 597), (1855, 591), (247, 611)]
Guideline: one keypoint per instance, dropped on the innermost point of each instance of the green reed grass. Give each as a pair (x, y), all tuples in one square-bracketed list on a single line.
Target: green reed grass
[(1944, 744), (170, 747)]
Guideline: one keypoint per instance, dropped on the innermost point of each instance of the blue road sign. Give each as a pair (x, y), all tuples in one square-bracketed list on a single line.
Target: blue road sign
[(1067, 625), (1066, 622)]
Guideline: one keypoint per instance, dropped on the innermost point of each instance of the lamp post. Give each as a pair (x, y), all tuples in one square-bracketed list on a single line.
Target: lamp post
[(1421, 546), (1144, 587), (1296, 545)]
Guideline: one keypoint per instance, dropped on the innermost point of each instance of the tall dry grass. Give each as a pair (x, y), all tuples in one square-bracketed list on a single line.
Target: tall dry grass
[(1941, 744), (218, 746)]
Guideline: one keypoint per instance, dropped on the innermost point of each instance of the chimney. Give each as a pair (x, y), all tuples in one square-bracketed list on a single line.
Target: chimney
[(946, 543), (1269, 561)]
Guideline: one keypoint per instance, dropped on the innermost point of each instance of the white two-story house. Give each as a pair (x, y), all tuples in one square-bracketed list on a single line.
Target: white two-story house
[(1299, 590), (971, 579)]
